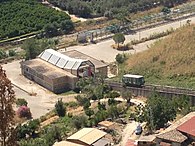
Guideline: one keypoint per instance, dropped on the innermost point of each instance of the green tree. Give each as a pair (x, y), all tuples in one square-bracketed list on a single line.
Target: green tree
[(60, 108), (31, 48), (67, 26), (79, 121), (7, 99), (21, 102), (89, 112), (119, 38), (120, 58), (157, 112)]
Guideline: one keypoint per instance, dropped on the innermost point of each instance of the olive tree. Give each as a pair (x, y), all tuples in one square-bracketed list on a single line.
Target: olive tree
[(119, 38)]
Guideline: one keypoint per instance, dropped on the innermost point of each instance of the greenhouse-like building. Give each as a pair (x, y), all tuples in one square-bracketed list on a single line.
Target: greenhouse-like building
[(55, 71)]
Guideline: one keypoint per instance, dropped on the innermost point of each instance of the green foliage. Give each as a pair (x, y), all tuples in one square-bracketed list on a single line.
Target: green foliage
[(166, 10), (79, 121), (113, 94), (182, 104), (21, 102), (33, 47), (157, 112), (24, 16), (28, 129), (60, 108), (12, 53), (119, 38), (89, 112), (2, 54), (120, 58), (85, 8)]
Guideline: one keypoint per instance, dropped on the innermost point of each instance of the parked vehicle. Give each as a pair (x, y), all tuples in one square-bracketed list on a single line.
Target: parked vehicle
[(138, 130), (133, 80)]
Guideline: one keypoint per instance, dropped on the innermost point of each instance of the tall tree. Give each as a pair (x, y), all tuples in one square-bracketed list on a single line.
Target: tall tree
[(7, 99), (119, 38)]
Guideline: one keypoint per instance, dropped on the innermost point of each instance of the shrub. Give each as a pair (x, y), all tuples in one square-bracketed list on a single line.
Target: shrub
[(12, 53), (24, 112), (60, 108), (120, 58), (21, 102)]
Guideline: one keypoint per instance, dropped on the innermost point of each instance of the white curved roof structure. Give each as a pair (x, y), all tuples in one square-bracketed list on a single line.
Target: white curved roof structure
[(60, 60)]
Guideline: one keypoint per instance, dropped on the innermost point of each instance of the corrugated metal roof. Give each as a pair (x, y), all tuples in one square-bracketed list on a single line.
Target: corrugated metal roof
[(66, 143), (88, 135), (60, 60), (188, 127)]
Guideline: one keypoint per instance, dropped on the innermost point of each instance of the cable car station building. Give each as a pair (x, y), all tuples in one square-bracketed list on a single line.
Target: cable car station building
[(55, 71)]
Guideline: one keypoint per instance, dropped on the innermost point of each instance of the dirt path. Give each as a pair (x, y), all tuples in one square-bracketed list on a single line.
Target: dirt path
[(73, 17)]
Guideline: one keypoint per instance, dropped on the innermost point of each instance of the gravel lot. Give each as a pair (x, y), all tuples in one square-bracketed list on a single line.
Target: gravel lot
[(40, 104)]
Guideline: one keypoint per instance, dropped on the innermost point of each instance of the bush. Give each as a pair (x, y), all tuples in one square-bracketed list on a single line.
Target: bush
[(24, 112), (12, 53), (120, 58), (60, 108), (21, 102)]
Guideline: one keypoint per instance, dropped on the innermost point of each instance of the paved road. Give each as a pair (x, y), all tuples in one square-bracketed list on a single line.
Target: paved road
[(104, 51)]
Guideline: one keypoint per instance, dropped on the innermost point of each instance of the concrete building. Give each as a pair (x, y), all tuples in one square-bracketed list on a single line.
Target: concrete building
[(55, 71), (89, 137), (100, 67)]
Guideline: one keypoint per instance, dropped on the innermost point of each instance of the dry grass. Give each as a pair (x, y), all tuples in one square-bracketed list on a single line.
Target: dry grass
[(171, 59)]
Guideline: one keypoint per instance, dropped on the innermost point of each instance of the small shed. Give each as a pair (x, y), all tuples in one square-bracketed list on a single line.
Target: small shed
[(106, 124), (87, 136)]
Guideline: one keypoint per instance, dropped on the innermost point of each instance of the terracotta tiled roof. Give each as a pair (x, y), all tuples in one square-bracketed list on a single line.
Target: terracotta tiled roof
[(173, 135), (188, 127), (130, 142)]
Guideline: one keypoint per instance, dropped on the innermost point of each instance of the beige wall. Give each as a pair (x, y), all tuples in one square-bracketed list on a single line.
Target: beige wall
[(102, 71)]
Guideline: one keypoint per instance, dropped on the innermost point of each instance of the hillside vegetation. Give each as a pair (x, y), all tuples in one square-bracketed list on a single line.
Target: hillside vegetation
[(170, 61), (19, 17), (111, 8)]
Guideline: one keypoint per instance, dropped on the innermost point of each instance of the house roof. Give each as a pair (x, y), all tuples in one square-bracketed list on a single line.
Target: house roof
[(101, 142), (164, 144), (45, 68), (148, 138), (87, 135), (106, 123), (173, 135), (130, 142), (78, 55), (188, 127), (66, 143), (60, 60)]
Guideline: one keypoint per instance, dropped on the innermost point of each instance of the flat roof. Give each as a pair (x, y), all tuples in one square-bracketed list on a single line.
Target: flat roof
[(87, 135), (132, 76), (188, 127), (46, 68), (106, 123), (78, 55), (66, 143), (148, 138)]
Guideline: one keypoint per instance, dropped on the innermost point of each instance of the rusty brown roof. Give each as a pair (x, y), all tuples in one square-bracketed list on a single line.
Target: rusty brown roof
[(188, 127)]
